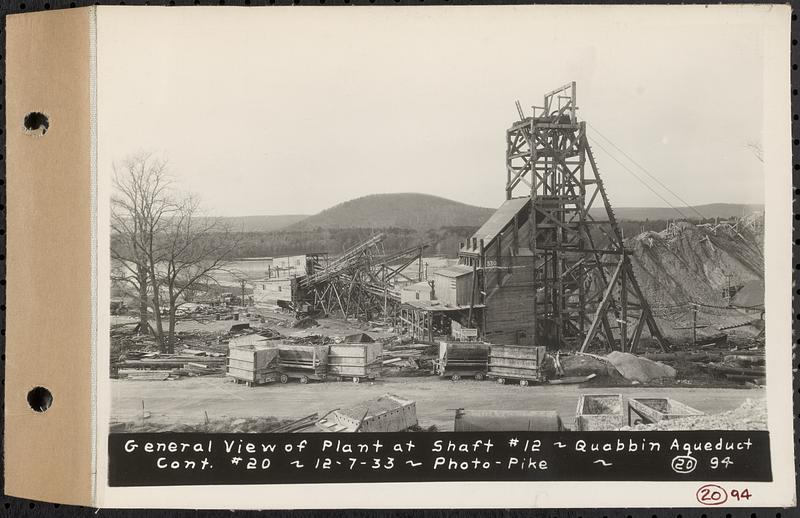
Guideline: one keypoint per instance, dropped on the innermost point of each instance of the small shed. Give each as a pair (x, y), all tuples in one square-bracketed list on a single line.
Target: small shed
[(270, 291), (417, 291), (453, 285)]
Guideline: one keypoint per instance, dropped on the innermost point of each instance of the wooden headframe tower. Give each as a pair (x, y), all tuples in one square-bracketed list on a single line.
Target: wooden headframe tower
[(584, 282)]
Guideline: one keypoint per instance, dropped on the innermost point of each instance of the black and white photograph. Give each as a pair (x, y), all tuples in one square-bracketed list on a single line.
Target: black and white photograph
[(477, 247), (436, 220)]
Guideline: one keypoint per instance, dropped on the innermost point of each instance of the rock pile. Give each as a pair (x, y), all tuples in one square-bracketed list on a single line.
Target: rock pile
[(638, 368)]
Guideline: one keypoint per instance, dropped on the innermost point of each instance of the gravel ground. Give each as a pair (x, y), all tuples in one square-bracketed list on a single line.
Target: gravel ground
[(190, 400), (750, 415)]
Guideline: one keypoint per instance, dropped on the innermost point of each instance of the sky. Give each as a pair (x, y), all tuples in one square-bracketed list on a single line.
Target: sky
[(291, 110)]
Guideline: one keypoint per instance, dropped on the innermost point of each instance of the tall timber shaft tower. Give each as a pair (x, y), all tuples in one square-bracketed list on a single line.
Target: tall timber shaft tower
[(584, 285)]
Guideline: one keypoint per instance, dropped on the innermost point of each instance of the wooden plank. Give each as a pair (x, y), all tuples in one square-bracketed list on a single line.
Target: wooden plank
[(601, 310)]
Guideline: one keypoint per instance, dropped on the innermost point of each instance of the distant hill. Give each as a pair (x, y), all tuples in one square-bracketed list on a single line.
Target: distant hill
[(410, 219), (709, 210), (424, 212), (420, 212), (261, 223)]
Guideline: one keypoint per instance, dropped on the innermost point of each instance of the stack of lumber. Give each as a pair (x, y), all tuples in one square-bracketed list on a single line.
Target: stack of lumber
[(180, 363), (689, 356), (297, 425), (408, 356), (144, 375), (744, 366)]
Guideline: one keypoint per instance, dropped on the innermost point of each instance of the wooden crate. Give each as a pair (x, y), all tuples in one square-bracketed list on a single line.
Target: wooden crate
[(253, 363), (652, 410), (355, 360), (599, 412), (521, 362)]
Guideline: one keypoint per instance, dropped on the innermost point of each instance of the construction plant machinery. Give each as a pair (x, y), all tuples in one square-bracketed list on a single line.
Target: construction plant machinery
[(547, 270), (361, 283)]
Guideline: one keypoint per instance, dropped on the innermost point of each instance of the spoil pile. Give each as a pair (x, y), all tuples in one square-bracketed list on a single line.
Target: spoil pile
[(698, 263), (751, 415)]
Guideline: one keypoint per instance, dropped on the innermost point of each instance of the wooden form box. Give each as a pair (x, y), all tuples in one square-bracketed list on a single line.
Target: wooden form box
[(652, 410), (599, 412)]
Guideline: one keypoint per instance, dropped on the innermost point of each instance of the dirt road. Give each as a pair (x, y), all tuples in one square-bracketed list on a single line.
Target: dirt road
[(186, 400)]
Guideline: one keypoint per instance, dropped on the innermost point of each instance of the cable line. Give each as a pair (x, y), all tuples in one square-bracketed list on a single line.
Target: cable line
[(640, 166), (676, 209)]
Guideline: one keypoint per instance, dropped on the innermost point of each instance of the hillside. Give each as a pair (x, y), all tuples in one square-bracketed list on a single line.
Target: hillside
[(424, 212), (419, 212), (709, 210), (261, 223)]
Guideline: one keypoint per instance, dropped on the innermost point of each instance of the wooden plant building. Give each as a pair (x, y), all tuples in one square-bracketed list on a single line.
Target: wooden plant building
[(545, 269)]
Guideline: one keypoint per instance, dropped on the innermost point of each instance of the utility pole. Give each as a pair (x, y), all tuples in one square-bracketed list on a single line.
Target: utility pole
[(243, 283), (728, 294), (694, 325)]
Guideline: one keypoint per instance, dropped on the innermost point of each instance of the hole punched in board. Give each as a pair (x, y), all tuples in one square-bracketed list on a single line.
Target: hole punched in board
[(36, 123), (40, 399)]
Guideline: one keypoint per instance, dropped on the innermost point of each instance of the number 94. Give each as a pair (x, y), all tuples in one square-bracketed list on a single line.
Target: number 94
[(716, 462)]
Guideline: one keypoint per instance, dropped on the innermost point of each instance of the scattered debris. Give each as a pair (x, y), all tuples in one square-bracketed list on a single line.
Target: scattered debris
[(740, 366), (572, 380), (297, 425), (305, 323), (238, 328), (144, 375)]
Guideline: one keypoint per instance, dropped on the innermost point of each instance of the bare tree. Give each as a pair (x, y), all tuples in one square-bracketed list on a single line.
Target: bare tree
[(142, 207), (195, 248), (138, 180), (164, 245)]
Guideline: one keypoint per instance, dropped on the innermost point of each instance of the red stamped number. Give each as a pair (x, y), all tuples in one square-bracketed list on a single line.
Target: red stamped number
[(711, 494)]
